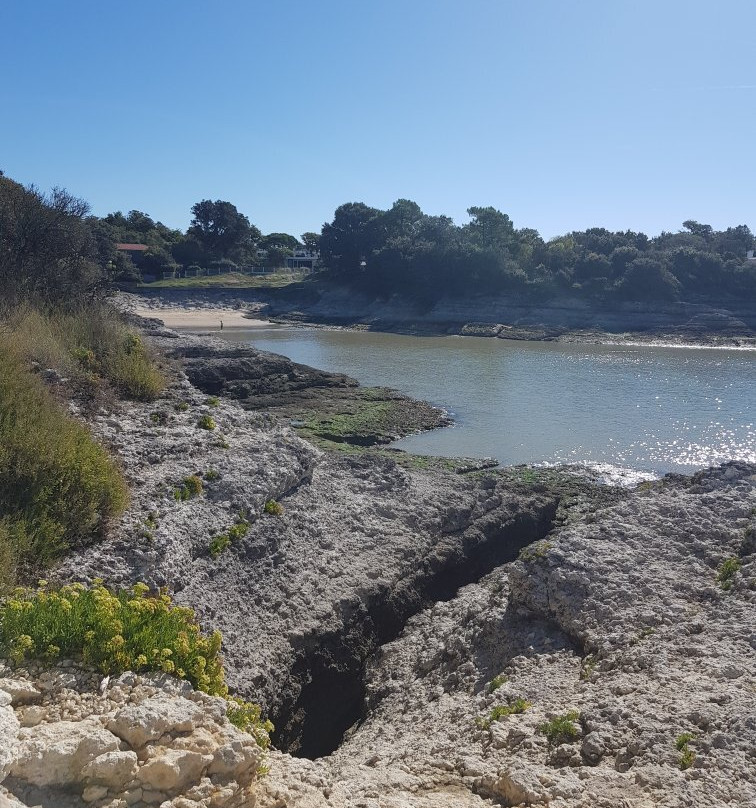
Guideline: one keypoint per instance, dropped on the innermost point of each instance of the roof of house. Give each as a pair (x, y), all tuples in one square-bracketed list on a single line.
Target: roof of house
[(135, 247)]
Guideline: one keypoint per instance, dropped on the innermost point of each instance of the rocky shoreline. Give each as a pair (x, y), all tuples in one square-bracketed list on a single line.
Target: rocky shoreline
[(426, 638), (565, 321)]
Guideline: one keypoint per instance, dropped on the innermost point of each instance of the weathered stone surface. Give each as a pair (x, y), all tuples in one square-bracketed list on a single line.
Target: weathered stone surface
[(113, 769), (55, 754), (64, 762), (616, 613), (137, 724), (20, 691), (9, 727), (172, 770)]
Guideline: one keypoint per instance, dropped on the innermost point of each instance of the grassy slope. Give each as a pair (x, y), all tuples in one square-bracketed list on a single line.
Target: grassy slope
[(231, 280)]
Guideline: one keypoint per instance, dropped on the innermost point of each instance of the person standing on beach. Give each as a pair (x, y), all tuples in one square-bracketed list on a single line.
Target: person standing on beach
[(221, 322)]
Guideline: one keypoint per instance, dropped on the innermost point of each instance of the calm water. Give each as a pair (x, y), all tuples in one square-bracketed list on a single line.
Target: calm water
[(651, 409)]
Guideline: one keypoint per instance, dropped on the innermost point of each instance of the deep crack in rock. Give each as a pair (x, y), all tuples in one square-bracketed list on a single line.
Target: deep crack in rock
[(332, 698)]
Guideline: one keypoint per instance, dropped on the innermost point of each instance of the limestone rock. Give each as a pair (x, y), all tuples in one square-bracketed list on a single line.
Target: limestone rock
[(55, 754), (9, 727), (20, 691), (172, 770), (137, 724), (113, 769)]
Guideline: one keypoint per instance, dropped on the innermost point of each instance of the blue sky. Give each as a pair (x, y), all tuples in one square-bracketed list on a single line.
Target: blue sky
[(565, 114)]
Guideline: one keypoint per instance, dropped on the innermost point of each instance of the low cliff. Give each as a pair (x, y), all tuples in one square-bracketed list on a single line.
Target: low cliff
[(502, 317), (420, 637)]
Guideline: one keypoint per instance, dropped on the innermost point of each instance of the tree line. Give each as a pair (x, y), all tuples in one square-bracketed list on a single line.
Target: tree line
[(52, 247), (404, 251)]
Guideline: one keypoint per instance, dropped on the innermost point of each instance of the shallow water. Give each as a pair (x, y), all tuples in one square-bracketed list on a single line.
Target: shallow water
[(647, 408)]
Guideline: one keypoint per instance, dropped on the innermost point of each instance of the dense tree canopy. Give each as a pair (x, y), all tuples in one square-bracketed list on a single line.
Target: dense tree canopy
[(403, 251), (221, 231), (50, 246)]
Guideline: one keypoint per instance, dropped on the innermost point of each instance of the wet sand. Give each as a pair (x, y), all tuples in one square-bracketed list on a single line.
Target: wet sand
[(200, 319)]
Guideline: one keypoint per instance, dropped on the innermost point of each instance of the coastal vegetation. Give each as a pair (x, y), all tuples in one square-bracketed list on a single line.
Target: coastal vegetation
[(54, 247), (64, 350), (115, 632), (58, 487), (515, 707), (561, 728), (406, 252)]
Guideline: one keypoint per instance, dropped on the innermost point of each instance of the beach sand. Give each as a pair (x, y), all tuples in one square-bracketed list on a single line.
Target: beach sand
[(200, 319)]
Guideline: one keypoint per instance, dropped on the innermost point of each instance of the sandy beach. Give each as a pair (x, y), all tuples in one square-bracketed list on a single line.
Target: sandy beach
[(202, 319)]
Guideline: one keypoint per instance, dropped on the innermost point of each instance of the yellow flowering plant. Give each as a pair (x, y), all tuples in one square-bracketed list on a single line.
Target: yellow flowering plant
[(115, 632)]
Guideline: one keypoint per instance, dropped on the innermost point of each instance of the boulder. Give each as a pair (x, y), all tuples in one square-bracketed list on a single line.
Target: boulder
[(173, 770), (21, 691), (56, 753), (9, 733), (113, 769), (138, 724)]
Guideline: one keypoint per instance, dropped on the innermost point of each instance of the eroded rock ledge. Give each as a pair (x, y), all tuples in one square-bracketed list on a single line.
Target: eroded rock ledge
[(73, 738), (386, 601)]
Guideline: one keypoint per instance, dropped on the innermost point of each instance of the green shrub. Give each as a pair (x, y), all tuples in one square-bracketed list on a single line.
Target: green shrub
[(238, 531), (273, 508), (727, 570), (246, 717), (182, 406), (561, 728), (115, 632), (218, 544), (496, 683), (516, 707), (58, 487), (190, 487), (687, 755), (535, 551), (211, 474), (206, 422), (222, 541), (212, 401), (587, 667)]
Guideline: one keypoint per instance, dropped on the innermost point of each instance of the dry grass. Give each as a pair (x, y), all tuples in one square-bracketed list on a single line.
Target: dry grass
[(93, 345)]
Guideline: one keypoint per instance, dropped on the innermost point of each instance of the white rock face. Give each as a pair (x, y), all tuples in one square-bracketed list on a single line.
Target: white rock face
[(9, 727), (139, 723), (619, 618), (172, 770), (20, 691), (168, 744), (55, 754), (112, 769)]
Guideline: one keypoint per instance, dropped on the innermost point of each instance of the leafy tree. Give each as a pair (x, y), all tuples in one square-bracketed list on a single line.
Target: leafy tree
[(48, 252), (648, 280), (704, 231), (490, 229), (279, 247), (311, 241), (345, 242), (221, 230)]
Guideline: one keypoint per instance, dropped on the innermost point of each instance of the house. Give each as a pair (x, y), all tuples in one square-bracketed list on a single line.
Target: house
[(750, 255), (132, 250), (303, 259)]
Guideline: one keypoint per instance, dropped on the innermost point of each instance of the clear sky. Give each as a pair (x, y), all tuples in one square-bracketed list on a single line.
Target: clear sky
[(565, 114)]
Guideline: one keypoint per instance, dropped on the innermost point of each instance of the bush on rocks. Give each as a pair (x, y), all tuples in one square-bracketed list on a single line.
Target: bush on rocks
[(58, 487), (128, 630), (114, 632)]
